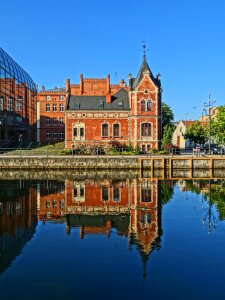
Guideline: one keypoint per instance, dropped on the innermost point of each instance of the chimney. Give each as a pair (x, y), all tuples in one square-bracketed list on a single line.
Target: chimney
[(81, 84), (108, 83), (108, 98), (43, 87), (67, 85), (36, 85), (122, 82)]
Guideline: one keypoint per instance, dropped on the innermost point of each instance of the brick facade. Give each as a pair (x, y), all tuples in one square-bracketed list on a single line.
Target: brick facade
[(97, 111)]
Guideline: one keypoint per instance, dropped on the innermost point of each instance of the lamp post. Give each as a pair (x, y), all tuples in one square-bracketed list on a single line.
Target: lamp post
[(207, 106)]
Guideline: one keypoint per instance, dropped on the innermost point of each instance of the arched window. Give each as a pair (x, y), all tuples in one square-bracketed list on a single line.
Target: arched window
[(116, 130), (149, 105), (142, 105), (145, 129)]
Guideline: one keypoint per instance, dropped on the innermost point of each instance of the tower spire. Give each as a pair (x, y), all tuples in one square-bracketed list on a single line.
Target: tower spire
[(144, 49)]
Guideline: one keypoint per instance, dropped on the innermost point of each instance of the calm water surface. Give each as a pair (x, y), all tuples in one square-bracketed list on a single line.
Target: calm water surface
[(112, 238)]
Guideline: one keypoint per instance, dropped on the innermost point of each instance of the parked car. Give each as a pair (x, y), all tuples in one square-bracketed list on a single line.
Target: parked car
[(215, 149)]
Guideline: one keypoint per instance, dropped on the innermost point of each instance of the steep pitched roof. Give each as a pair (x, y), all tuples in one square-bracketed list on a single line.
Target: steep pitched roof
[(144, 67), (119, 101)]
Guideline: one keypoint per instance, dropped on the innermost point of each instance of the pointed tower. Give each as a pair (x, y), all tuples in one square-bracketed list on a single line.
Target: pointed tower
[(145, 94)]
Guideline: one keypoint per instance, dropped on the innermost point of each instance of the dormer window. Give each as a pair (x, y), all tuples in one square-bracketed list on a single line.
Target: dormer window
[(100, 104), (120, 105)]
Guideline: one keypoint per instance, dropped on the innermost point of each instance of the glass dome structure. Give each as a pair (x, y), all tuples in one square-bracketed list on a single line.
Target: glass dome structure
[(18, 100), (10, 69)]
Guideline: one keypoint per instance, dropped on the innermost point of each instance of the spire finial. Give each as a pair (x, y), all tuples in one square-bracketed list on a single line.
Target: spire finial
[(145, 50)]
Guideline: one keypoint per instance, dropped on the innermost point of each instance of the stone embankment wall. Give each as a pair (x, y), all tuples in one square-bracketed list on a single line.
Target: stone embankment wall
[(104, 163), (69, 163)]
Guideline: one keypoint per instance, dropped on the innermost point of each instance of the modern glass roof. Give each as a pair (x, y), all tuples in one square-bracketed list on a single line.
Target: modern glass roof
[(13, 70)]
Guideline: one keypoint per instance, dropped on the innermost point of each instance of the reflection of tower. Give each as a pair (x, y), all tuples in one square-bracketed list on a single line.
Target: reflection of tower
[(145, 219), (18, 219)]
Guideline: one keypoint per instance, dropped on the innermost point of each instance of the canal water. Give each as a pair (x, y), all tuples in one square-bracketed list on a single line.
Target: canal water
[(111, 236)]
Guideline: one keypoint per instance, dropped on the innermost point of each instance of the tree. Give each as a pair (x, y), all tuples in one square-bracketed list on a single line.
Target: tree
[(196, 133), (168, 134), (167, 115), (218, 126)]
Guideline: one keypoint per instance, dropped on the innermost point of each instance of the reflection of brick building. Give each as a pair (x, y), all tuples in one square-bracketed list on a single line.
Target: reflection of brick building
[(18, 219), (97, 111), (131, 207), (17, 102), (50, 200)]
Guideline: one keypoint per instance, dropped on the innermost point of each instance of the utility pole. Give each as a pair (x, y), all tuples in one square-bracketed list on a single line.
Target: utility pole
[(207, 109)]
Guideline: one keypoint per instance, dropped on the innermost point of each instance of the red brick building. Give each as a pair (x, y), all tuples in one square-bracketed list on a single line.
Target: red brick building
[(97, 111)]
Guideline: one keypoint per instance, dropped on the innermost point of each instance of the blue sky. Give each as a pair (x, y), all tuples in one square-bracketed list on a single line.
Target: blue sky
[(55, 40)]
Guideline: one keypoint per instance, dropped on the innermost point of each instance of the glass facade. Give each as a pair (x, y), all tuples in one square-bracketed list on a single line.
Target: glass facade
[(17, 102)]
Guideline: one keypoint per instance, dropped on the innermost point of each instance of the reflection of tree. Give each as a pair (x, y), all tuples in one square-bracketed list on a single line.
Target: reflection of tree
[(167, 189), (216, 195)]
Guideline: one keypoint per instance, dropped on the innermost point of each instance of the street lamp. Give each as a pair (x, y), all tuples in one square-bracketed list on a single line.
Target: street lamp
[(207, 109)]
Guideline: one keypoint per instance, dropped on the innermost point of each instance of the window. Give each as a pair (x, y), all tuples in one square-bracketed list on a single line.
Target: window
[(10, 104), (145, 192), (54, 135), (9, 208), (149, 105), (116, 194), (116, 130), (145, 129), (47, 204), (54, 107), (105, 193), (61, 203), (78, 131), (19, 103), (120, 105), (142, 105), (47, 107), (2, 103), (61, 97), (48, 135), (61, 107), (48, 97), (100, 104), (54, 203), (82, 132), (61, 135), (1, 208), (54, 121), (47, 121), (105, 130), (61, 121), (79, 192)]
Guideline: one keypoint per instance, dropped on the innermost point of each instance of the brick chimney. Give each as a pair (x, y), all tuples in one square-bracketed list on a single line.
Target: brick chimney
[(81, 84), (108, 98), (122, 82), (43, 87), (67, 85), (108, 83), (36, 85)]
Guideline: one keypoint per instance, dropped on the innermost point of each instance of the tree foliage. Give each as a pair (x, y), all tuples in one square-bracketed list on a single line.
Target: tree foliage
[(218, 126), (196, 133), (167, 115), (168, 134)]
